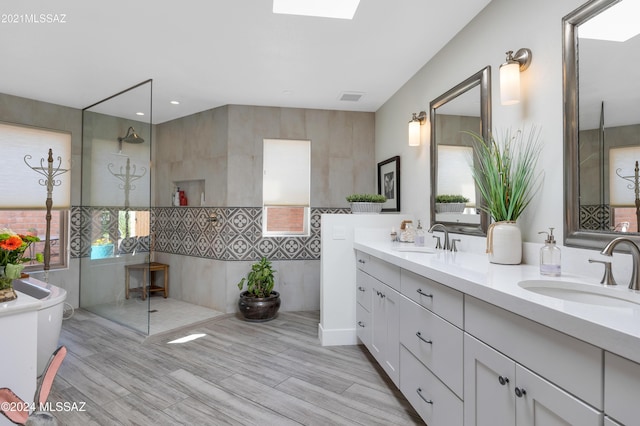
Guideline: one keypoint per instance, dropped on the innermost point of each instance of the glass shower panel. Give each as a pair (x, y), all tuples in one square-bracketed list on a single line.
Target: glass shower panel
[(116, 207)]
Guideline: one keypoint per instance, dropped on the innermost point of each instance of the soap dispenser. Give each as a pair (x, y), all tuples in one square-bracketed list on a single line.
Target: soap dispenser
[(550, 256), (419, 235)]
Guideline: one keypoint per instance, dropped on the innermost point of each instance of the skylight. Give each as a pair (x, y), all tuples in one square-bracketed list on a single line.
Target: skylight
[(339, 9), (618, 23)]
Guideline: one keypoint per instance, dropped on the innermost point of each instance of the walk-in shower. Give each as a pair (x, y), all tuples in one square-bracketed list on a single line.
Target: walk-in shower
[(116, 204)]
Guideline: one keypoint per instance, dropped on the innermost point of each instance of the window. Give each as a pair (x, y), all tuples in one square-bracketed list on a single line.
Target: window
[(622, 190), (450, 180), (23, 190), (286, 187)]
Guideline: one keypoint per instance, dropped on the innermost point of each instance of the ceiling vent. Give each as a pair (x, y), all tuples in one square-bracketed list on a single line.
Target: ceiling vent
[(351, 96)]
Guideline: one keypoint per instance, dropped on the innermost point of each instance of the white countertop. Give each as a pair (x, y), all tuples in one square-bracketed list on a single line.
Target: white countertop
[(614, 329), (24, 303)]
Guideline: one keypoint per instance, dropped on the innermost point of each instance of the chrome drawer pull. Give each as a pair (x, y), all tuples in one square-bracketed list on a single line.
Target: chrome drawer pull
[(503, 380), (419, 392), (423, 339), (361, 261), (421, 293), (361, 288), (360, 324)]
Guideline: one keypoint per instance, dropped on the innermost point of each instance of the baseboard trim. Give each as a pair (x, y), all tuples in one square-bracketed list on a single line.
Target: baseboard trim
[(337, 337)]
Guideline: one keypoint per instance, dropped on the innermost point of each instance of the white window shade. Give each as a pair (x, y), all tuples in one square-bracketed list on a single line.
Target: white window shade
[(21, 187), (286, 176), (622, 162), (455, 178)]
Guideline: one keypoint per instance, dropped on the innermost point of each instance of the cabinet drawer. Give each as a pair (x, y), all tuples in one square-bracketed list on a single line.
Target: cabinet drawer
[(435, 403), (363, 289), (443, 356), (621, 381), (363, 326), (438, 298), (362, 259), (379, 269), (572, 364)]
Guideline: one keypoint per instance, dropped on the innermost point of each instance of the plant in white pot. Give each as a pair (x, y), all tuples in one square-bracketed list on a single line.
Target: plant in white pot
[(366, 203), (446, 203), (505, 172), (259, 302)]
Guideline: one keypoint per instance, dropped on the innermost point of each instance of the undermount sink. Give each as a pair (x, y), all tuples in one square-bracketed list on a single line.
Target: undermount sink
[(415, 249), (583, 293)]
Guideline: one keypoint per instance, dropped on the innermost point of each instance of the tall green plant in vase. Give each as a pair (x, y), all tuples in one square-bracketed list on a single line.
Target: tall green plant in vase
[(505, 171)]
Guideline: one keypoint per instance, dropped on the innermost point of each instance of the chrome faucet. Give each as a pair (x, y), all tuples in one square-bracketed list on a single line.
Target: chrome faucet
[(635, 255), (447, 245)]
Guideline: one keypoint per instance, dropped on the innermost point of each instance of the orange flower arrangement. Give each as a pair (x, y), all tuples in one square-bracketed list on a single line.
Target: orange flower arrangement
[(12, 248)]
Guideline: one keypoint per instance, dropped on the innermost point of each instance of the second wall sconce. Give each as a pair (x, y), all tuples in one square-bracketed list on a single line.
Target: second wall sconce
[(510, 75), (414, 127)]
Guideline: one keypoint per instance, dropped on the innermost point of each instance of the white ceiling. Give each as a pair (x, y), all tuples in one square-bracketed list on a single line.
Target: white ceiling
[(208, 53)]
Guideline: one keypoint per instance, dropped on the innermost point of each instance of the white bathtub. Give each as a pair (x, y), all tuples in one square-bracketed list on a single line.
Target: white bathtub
[(49, 315)]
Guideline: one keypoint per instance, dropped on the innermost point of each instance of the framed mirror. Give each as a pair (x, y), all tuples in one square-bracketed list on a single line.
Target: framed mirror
[(601, 123), (465, 107)]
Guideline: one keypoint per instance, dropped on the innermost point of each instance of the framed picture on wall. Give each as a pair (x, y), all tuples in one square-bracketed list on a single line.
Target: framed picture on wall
[(389, 183)]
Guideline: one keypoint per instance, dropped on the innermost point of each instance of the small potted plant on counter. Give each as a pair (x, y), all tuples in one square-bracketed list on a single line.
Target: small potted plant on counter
[(366, 203), (259, 302), (446, 203)]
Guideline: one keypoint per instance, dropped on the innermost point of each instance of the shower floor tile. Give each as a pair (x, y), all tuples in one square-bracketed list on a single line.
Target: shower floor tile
[(164, 314)]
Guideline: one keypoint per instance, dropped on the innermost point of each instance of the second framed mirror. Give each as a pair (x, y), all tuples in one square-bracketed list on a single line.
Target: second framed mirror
[(455, 201)]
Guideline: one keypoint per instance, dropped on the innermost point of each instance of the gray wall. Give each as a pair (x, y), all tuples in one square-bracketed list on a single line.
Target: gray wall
[(222, 150), (223, 147)]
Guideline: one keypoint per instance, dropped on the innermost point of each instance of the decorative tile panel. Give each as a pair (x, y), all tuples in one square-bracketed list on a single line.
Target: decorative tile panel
[(187, 231), (595, 217)]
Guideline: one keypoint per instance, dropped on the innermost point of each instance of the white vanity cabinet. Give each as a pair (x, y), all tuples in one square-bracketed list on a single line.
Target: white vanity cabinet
[(460, 360), (378, 311), (499, 391), (621, 389)]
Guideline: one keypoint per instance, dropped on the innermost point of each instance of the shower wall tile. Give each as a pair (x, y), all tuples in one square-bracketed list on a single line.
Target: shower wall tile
[(188, 231)]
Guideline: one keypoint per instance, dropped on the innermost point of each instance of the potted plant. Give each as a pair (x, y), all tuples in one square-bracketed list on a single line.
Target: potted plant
[(446, 203), (506, 176), (366, 203), (12, 260), (259, 302)]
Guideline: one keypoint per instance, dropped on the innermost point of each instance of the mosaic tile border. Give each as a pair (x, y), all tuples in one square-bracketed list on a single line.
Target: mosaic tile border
[(187, 231)]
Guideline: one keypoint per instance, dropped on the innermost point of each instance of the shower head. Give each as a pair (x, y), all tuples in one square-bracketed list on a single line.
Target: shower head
[(131, 137)]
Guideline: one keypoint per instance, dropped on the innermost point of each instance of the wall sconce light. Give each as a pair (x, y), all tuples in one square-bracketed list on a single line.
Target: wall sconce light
[(414, 127), (510, 75)]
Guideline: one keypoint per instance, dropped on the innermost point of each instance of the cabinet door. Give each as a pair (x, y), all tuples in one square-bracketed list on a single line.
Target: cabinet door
[(610, 422), (392, 350), (489, 381), (378, 321), (621, 379), (541, 403), (385, 318)]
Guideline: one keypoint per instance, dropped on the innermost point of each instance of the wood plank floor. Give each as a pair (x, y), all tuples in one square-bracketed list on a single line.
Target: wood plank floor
[(273, 373)]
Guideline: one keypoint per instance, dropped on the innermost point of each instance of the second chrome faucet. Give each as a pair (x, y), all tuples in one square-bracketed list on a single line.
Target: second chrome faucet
[(447, 244)]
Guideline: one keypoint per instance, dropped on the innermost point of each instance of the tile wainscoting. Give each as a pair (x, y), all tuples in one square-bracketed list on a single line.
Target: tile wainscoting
[(188, 231)]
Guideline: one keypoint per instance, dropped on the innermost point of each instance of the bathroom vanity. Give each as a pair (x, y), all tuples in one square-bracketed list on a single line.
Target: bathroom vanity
[(473, 343)]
